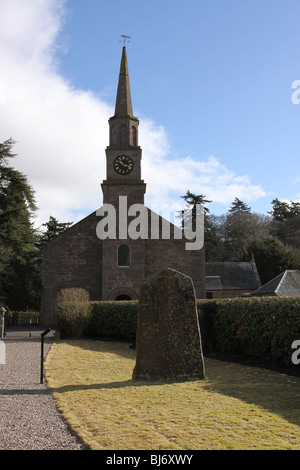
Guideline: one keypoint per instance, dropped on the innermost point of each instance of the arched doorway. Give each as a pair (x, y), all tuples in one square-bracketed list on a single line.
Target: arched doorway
[(123, 297), (122, 293)]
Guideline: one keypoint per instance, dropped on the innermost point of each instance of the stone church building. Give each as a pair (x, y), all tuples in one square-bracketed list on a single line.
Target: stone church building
[(112, 268)]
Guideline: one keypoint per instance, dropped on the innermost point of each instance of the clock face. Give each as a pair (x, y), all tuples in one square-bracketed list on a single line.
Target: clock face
[(123, 165)]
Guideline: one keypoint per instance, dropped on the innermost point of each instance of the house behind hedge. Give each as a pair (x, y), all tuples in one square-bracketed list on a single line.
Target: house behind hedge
[(286, 284), (231, 279)]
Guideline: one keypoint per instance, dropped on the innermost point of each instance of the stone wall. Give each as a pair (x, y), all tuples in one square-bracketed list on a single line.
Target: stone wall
[(227, 293), (74, 259), (78, 258), (161, 254), (122, 280)]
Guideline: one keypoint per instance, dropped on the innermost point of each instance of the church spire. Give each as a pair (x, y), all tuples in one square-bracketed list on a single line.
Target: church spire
[(123, 102), (123, 125)]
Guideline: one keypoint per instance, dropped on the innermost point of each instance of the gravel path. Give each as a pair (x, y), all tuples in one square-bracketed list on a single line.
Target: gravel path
[(29, 419)]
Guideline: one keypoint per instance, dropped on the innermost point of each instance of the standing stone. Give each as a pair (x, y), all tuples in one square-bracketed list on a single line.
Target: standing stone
[(168, 341)]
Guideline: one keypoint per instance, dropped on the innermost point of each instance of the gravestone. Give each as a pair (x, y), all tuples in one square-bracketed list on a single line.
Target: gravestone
[(168, 340)]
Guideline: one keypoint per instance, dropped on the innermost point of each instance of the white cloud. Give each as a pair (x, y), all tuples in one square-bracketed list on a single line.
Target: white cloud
[(62, 132), (172, 178)]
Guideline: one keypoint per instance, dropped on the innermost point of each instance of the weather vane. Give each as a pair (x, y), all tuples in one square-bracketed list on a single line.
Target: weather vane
[(125, 38)]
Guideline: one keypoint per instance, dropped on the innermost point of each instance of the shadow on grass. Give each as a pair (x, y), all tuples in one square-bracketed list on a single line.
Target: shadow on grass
[(116, 346), (109, 385), (276, 393), (273, 391)]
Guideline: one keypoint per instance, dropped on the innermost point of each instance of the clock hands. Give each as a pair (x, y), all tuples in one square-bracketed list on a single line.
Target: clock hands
[(127, 166)]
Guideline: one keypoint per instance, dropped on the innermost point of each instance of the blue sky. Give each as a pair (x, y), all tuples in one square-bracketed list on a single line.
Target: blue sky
[(211, 83)]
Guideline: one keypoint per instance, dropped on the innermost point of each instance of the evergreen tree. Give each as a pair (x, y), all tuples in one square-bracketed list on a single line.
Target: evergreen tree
[(19, 272), (214, 238), (272, 257), (53, 229), (239, 206), (286, 223), (240, 228), (228, 236), (194, 200), (283, 210), (17, 204)]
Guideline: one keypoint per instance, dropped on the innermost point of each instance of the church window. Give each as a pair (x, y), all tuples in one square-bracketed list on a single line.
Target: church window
[(134, 135), (124, 256), (123, 135)]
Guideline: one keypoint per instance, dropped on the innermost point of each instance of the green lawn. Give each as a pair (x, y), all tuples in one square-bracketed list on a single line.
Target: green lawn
[(235, 407)]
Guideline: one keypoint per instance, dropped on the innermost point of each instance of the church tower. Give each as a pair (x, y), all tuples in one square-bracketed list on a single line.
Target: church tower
[(123, 155), (123, 259)]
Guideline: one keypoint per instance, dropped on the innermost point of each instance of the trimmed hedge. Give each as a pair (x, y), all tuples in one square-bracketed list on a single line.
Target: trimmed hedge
[(206, 313), (113, 319), (260, 326), (118, 319)]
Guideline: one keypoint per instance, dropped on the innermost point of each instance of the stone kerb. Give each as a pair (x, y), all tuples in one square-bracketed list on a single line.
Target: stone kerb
[(168, 340)]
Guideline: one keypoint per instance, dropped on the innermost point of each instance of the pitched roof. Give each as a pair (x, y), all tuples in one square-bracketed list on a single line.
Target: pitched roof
[(232, 275), (286, 284), (213, 283)]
